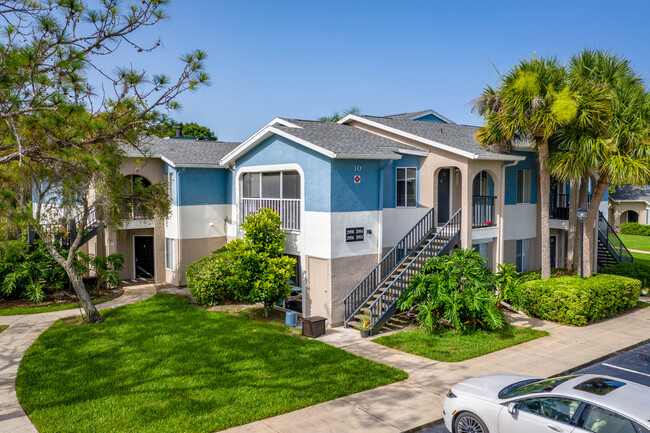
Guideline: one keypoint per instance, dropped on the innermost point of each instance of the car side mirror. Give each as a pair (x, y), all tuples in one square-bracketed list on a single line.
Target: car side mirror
[(512, 408)]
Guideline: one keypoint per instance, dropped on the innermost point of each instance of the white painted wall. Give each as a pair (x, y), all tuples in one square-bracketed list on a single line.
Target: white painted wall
[(314, 238), (171, 224), (520, 221), (398, 221), (203, 221), (343, 220)]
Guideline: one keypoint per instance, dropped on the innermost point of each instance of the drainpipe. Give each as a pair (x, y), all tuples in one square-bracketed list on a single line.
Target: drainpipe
[(380, 212), (502, 192), (179, 260)]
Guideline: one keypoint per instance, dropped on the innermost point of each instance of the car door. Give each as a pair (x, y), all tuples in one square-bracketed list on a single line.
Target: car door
[(542, 414)]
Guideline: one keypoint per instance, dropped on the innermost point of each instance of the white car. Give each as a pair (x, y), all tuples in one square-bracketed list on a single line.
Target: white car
[(526, 404)]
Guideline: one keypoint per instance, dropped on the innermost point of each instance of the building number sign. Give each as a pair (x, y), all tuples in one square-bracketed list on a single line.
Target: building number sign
[(354, 234)]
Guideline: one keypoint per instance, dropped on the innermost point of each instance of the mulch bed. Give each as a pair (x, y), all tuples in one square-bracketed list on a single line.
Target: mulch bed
[(61, 298)]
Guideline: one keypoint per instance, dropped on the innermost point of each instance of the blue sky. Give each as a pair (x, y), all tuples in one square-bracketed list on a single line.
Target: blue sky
[(304, 59)]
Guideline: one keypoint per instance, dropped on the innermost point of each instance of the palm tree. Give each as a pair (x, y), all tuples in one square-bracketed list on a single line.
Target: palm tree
[(336, 116), (530, 103), (609, 138)]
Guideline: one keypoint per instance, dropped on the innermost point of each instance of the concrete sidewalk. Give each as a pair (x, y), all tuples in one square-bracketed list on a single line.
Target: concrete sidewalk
[(416, 403), (15, 340)]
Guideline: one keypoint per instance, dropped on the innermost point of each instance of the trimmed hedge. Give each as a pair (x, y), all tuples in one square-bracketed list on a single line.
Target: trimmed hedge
[(574, 301), (635, 229), (537, 275), (638, 271), (209, 278)]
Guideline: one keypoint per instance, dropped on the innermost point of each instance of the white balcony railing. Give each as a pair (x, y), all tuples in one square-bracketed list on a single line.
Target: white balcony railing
[(288, 209)]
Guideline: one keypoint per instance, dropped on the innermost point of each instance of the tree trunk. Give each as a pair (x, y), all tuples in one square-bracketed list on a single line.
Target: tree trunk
[(573, 223), (92, 315), (590, 223), (544, 191)]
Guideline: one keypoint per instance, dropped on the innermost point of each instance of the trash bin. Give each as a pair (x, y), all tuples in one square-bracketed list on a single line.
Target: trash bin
[(290, 318), (313, 327)]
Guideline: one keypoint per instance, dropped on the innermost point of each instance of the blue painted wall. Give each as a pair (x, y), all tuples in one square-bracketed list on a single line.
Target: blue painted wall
[(390, 175), (348, 196), (431, 118), (316, 168), (530, 163)]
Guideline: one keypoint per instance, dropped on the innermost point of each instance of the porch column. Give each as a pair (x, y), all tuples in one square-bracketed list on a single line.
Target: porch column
[(466, 206)]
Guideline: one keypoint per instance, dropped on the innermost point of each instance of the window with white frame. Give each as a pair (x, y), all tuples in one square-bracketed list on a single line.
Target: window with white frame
[(169, 185), (406, 187), (523, 186), (523, 252), (170, 262)]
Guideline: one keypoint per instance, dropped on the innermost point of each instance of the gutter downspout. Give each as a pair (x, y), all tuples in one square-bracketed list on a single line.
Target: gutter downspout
[(178, 225), (502, 192)]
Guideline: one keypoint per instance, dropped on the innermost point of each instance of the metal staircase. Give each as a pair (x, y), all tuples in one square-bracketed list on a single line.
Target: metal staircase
[(611, 249), (376, 295), (64, 233)]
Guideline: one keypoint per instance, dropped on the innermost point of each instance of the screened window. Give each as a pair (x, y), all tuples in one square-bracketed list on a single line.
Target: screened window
[(169, 185), (278, 184), (170, 263), (406, 186), (523, 186), (522, 255)]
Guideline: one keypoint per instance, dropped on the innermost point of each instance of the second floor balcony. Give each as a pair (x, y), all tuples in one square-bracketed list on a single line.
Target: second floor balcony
[(288, 209), (559, 205), (483, 211)]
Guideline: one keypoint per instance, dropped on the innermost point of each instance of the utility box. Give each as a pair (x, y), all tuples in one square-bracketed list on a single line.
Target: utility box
[(291, 318), (313, 327)]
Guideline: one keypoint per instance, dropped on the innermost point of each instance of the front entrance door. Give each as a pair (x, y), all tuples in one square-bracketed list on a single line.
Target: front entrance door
[(143, 246), (443, 195), (554, 251)]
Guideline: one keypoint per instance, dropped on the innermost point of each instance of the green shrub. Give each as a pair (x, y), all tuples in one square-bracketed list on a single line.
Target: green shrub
[(209, 278), (537, 275), (638, 271), (459, 289), (252, 269), (574, 301), (635, 229)]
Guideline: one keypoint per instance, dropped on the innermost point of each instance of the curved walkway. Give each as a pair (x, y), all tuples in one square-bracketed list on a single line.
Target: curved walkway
[(14, 342)]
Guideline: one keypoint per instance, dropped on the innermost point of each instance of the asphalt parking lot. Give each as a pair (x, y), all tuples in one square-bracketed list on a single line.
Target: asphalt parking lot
[(633, 365)]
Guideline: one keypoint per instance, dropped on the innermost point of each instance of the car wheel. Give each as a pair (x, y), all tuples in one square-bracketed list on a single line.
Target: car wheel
[(467, 422)]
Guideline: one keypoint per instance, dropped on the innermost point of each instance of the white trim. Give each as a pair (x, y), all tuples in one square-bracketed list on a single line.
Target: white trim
[(406, 206), (432, 143), (631, 201), (173, 255), (364, 156), (283, 122), (265, 169), (154, 255), (412, 152), (428, 112)]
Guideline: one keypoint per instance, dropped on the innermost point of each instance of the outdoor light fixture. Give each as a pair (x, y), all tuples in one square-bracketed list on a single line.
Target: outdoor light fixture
[(582, 214)]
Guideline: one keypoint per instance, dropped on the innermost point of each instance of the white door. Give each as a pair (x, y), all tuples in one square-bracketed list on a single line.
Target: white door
[(539, 415)]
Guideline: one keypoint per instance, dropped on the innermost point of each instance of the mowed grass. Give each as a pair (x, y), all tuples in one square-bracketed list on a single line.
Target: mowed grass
[(13, 311), (3, 327), (636, 242), (454, 346), (641, 258), (164, 366)]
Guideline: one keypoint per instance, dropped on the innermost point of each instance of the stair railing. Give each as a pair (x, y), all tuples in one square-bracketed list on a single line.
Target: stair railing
[(615, 244), (358, 296), (388, 298)]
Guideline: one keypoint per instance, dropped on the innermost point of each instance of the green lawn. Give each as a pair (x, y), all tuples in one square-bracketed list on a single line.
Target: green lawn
[(3, 327), (636, 242), (164, 366), (454, 346), (43, 309), (641, 258)]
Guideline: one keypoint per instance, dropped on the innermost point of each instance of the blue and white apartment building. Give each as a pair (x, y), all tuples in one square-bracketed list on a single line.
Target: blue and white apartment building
[(347, 193)]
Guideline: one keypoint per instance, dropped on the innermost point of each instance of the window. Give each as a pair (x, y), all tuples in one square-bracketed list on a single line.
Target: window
[(169, 254), (522, 255), (599, 385), (482, 249), (601, 420), (531, 386), (278, 184), (169, 185), (559, 409), (481, 184), (523, 186), (406, 187)]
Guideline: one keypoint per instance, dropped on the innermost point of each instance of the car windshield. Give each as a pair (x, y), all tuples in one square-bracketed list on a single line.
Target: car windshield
[(532, 386)]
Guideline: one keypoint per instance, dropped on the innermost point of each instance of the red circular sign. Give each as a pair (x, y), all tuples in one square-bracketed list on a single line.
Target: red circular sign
[(357, 179)]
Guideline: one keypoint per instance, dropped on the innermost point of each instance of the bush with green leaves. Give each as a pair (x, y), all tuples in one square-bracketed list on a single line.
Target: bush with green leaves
[(575, 301), (635, 229), (457, 290), (638, 271), (106, 268), (252, 269)]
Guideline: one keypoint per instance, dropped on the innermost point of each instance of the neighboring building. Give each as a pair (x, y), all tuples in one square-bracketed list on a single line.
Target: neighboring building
[(347, 194), (630, 204)]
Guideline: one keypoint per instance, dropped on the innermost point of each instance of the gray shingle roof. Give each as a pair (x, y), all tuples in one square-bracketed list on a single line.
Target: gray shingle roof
[(344, 139), (631, 193), (182, 152), (460, 137)]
